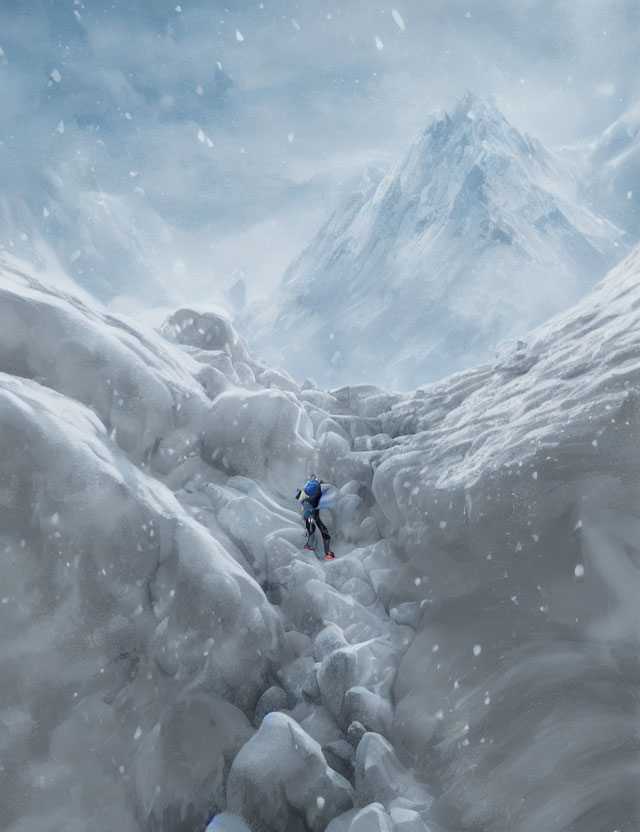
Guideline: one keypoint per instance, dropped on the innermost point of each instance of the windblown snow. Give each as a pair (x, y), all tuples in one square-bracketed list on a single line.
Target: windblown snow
[(172, 660)]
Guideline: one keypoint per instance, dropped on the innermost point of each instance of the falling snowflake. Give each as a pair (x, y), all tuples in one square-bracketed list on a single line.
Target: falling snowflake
[(398, 19)]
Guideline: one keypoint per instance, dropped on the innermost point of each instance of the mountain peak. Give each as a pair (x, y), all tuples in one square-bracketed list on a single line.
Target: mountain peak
[(474, 108), (474, 122), (473, 214)]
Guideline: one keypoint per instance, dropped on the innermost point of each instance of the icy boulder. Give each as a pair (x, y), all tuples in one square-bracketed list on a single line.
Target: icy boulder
[(380, 776), (371, 818), (406, 820), (280, 781), (206, 331), (355, 681), (273, 699), (144, 393), (264, 435), (227, 822)]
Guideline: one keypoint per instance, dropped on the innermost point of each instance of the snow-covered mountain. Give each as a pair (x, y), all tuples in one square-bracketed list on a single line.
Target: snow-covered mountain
[(170, 656), (110, 244), (476, 235), (612, 172)]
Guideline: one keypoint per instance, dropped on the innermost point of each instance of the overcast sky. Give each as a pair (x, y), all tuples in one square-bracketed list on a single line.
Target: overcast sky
[(244, 119)]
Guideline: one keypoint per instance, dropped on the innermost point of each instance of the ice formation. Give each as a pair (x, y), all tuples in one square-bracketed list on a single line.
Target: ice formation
[(172, 660)]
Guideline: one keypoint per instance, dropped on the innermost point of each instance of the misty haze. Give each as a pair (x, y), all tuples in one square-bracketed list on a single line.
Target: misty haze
[(319, 416)]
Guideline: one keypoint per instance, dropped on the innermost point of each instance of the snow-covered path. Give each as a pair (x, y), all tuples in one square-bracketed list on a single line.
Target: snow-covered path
[(330, 697), (169, 654)]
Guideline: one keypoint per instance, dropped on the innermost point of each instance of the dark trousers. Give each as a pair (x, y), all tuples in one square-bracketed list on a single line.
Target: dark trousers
[(312, 521)]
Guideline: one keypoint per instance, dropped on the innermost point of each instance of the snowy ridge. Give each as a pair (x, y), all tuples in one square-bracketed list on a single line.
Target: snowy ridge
[(394, 286), (612, 172), (516, 487), (170, 656), (108, 243)]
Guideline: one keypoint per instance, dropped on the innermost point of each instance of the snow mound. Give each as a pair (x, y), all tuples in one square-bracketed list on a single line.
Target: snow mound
[(132, 642), (142, 393), (263, 434), (281, 753), (207, 331)]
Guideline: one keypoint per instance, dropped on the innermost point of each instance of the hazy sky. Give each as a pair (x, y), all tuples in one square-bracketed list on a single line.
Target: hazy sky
[(243, 117)]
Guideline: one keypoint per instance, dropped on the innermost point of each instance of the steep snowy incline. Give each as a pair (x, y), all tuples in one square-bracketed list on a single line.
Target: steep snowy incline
[(477, 234), (127, 659), (612, 172), (110, 243), (512, 494), (133, 645)]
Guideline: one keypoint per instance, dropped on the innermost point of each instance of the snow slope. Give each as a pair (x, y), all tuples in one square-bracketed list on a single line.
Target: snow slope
[(476, 235), (109, 243), (513, 490), (612, 172), (169, 654)]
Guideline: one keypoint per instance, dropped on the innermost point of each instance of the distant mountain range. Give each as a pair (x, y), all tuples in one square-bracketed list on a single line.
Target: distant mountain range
[(477, 234)]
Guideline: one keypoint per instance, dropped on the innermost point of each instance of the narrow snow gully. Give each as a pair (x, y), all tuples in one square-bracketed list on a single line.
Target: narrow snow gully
[(323, 753), (171, 660)]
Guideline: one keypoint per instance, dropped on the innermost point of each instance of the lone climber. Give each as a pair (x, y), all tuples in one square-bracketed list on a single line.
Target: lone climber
[(310, 497)]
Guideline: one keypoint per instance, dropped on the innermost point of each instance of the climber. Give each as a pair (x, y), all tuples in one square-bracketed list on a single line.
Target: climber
[(310, 497)]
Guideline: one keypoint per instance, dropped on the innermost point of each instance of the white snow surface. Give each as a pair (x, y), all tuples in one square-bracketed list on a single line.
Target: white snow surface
[(612, 171), (393, 289), (170, 657)]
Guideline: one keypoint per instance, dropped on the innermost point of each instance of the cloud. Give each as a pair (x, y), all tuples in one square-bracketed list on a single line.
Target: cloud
[(136, 84)]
